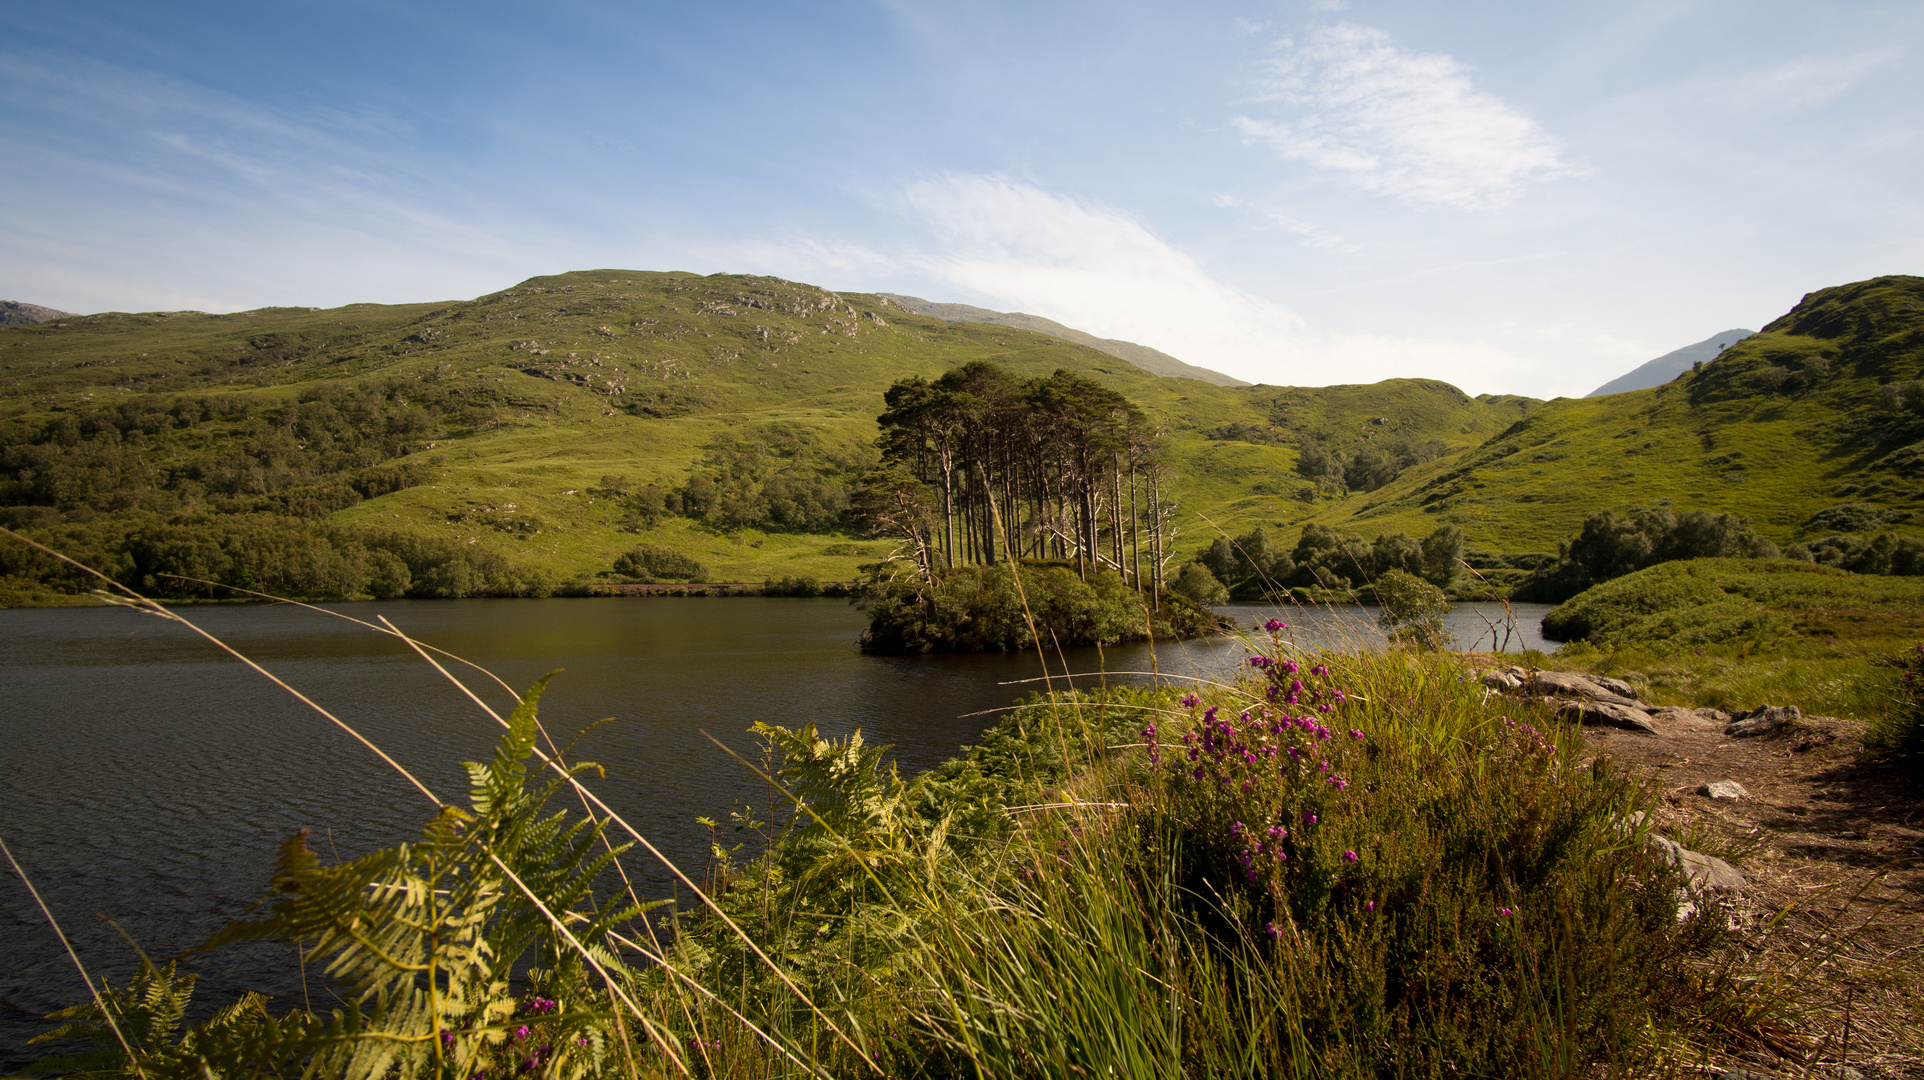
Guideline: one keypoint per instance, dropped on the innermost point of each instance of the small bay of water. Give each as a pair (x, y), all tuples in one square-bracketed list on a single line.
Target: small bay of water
[(152, 777)]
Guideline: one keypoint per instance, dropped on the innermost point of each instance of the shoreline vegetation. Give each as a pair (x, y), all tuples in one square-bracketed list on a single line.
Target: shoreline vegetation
[(1340, 863)]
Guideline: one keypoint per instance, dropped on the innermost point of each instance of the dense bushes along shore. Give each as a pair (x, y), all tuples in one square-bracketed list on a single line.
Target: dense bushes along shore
[(987, 609), (267, 553), (1344, 866)]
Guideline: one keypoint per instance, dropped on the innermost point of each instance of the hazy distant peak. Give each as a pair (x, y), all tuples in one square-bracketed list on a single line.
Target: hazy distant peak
[(15, 313), (1672, 364), (1151, 360)]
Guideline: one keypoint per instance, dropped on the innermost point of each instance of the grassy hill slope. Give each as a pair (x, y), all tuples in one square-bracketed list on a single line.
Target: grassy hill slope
[(510, 409), (515, 406), (1811, 427)]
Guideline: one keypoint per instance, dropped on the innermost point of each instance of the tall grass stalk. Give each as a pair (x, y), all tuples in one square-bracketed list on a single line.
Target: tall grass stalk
[(1337, 864)]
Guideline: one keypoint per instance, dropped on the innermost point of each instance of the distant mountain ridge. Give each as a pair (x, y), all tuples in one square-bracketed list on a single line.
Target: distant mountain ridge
[(1151, 360), (15, 313), (1671, 364)]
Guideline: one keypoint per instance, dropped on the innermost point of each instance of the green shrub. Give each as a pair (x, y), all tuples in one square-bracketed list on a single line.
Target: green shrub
[(1412, 609), (1196, 582), (1609, 547), (792, 586), (651, 561)]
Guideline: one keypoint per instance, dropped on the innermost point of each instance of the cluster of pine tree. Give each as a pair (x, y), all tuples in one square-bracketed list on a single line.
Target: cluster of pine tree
[(1060, 474), (981, 462)]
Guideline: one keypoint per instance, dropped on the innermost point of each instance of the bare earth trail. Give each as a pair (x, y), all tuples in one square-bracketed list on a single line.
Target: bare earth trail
[(1830, 841)]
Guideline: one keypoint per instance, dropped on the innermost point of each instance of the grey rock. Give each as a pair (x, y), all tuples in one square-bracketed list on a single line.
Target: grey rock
[(1616, 686), (1707, 873), (1728, 790), (1569, 684), (1762, 720), (1608, 714), (1500, 679)]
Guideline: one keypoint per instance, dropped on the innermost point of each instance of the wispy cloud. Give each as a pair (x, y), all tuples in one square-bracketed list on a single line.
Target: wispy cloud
[(1407, 124), (1092, 267), (1312, 234), (1006, 244)]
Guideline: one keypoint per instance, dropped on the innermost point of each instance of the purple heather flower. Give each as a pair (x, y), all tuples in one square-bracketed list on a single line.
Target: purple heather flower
[(1309, 818), (447, 1038), (1356, 733), (1274, 625), (1235, 828), (521, 1032), (1506, 912), (1273, 933), (1351, 856), (1190, 701), (1370, 906)]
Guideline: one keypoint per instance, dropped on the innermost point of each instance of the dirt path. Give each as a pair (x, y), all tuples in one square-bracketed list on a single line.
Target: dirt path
[(1831, 842)]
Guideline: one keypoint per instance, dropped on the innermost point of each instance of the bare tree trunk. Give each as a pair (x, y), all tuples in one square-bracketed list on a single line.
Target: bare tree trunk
[(1135, 532)]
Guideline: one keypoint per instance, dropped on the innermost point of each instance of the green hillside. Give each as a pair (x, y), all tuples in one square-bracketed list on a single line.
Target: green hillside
[(491, 423), (1810, 428), (533, 426)]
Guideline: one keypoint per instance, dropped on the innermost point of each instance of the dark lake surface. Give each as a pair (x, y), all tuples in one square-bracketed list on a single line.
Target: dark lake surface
[(151, 777)]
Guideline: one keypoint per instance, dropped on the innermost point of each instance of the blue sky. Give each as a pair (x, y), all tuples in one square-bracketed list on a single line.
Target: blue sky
[(1515, 197)]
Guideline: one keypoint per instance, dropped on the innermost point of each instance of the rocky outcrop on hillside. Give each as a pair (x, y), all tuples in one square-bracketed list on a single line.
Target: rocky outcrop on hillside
[(15, 313)]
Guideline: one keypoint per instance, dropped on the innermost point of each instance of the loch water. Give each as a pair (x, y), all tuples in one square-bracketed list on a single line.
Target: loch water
[(151, 777)]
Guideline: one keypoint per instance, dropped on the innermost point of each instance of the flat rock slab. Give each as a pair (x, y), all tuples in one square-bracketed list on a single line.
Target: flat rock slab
[(1762, 720), (1566, 684), (1615, 686), (1707, 873), (1726, 790), (1608, 714)]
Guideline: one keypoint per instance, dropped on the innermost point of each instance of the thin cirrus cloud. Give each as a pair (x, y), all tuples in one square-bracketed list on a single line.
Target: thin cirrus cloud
[(1009, 244), (1406, 124)]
